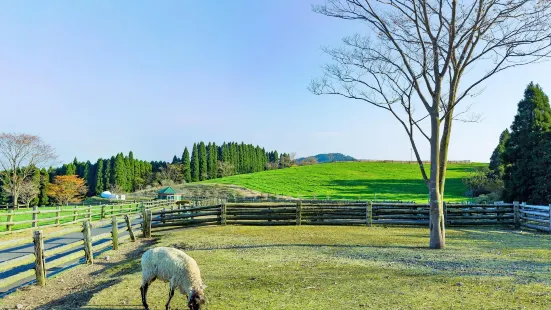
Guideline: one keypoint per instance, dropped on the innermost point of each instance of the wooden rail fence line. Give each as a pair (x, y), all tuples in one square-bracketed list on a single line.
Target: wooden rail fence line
[(64, 216), (354, 213), (156, 215), (40, 255)]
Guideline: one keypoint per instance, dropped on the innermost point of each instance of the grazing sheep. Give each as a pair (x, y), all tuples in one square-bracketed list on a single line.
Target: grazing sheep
[(178, 268)]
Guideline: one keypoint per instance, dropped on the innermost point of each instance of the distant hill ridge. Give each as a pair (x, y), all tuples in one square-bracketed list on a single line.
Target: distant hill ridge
[(328, 158)]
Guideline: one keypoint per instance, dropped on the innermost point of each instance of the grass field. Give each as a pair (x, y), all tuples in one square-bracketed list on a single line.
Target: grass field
[(353, 180), (332, 268)]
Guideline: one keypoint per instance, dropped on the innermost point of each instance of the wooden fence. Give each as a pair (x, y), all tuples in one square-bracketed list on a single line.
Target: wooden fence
[(88, 245), (85, 247), (332, 213), (535, 217), (159, 215), (49, 217)]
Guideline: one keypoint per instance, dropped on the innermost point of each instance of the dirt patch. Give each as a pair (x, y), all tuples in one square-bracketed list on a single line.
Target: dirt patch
[(72, 289)]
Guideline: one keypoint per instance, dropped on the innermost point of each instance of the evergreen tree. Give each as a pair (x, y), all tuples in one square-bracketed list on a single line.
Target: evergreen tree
[(127, 174), (69, 169), (36, 183), (532, 121), (187, 165), (43, 199), (194, 164), (120, 172), (541, 193), (202, 161), (106, 174), (276, 158), (175, 160), (132, 171), (78, 169), (99, 177), (213, 171), (212, 161), (497, 166), (112, 175)]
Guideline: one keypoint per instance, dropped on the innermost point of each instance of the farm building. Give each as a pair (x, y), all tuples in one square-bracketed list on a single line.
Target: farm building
[(168, 193)]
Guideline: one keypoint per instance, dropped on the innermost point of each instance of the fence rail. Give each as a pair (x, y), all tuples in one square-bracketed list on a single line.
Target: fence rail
[(535, 217), (60, 216), (66, 253), (159, 215), (335, 213)]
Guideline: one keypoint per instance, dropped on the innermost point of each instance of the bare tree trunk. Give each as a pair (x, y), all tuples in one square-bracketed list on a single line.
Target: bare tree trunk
[(437, 229), (15, 200)]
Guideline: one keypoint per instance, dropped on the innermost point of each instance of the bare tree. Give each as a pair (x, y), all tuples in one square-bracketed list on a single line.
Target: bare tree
[(20, 154), (417, 60), (28, 191)]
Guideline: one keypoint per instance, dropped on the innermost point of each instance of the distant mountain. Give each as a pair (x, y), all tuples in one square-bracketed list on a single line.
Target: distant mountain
[(328, 157)]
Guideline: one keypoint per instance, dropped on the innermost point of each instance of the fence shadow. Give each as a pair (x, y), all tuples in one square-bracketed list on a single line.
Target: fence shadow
[(78, 300)]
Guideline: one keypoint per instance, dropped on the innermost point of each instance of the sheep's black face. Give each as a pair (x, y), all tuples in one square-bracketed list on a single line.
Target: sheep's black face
[(196, 301)]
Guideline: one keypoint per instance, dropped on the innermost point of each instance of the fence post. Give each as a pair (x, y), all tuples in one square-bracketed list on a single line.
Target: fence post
[(129, 227), (149, 216), (299, 213), (90, 212), (163, 215), (144, 223), (10, 219), (516, 209), (39, 266), (115, 232), (223, 214), (88, 249), (35, 216), (102, 212), (57, 215), (369, 214), (74, 213)]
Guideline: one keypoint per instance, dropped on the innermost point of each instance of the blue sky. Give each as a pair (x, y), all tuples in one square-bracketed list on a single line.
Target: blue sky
[(100, 77)]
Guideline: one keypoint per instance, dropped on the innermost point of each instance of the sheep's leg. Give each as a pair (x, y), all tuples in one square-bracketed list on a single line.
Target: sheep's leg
[(170, 295), (143, 290)]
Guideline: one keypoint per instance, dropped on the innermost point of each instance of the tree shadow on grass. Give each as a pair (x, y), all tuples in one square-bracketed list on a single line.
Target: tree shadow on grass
[(77, 299)]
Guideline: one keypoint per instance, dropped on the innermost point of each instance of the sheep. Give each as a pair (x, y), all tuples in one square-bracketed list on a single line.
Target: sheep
[(178, 268)]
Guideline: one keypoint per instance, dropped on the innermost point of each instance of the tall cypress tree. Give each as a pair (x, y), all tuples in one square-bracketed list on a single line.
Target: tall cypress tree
[(43, 199), (187, 165), (69, 169), (88, 175), (213, 171), (127, 174), (532, 121), (209, 160), (497, 166), (112, 175), (106, 174), (120, 172), (36, 183), (99, 177), (194, 164), (202, 161), (132, 171)]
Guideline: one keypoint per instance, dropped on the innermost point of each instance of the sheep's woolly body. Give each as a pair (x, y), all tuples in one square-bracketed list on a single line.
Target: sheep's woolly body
[(174, 266)]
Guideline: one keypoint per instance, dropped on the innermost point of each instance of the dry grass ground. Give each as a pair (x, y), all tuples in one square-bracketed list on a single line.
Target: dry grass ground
[(322, 268)]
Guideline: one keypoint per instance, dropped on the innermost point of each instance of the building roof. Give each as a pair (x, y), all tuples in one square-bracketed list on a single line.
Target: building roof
[(167, 190)]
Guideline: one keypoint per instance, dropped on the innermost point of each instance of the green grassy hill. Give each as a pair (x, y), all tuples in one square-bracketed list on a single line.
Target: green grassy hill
[(353, 180)]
